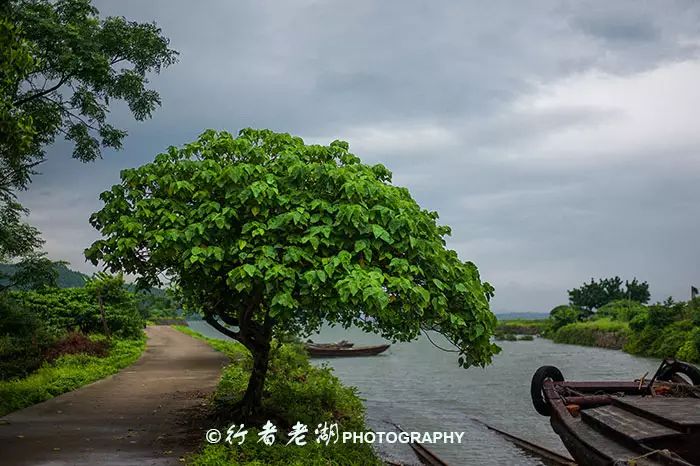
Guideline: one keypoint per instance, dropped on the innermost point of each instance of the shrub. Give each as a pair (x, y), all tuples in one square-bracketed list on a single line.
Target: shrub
[(24, 338), (66, 373), (660, 316), (623, 310), (566, 314), (604, 333), (67, 309), (295, 391), (75, 343)]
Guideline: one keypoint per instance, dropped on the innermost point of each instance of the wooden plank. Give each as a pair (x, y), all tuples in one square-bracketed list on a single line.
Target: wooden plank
[(627, 424), (681, 412)]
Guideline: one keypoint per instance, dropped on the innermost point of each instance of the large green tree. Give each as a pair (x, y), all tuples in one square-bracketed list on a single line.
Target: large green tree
[(80, 65), (61, 67), (266, 235)]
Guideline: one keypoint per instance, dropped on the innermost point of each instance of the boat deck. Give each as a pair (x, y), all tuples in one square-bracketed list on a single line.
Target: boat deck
[(622, 427)]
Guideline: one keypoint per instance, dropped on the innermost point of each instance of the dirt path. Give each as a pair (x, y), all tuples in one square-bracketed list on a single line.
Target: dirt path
[(147, 414)]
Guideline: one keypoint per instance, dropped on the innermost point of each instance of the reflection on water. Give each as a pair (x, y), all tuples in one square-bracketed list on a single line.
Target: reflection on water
[(422, 389)]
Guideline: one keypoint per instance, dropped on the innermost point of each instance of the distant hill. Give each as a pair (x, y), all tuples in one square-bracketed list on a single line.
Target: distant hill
[(67, 278), (522, 315)]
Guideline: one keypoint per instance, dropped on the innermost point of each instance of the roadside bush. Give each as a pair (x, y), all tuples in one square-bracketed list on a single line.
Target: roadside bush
[(66, 373), (295, 391), (68, 309), (75, 343), (24, 338)]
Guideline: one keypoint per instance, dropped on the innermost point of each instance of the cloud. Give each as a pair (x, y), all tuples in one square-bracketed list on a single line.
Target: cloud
[(557, 138)]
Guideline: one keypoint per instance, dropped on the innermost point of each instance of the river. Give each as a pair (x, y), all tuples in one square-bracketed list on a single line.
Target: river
[(421, 388)]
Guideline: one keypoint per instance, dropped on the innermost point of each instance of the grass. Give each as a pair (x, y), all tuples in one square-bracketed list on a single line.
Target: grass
[(67, 373), (295, 391), (522, 326), (604, 332)]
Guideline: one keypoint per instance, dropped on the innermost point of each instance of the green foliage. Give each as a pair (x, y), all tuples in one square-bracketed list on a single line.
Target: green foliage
[(596, 294), (565, 315), (71, 308), (523, 326), (603, 332), (60, 68), (17, 238), (67, 373), (295, 391), (24, 338), (77, 65), (274, 235), (622, 309), (17, 130), (155, 303)]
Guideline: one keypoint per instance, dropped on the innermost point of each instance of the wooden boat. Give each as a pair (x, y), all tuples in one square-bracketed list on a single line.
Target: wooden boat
[(340, 344), (332, 352), (625, 423)]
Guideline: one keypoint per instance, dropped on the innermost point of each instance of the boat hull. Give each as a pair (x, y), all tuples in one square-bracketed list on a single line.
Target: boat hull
[(327, 352)]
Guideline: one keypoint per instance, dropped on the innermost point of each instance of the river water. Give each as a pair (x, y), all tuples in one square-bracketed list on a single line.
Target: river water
[(421, 388)]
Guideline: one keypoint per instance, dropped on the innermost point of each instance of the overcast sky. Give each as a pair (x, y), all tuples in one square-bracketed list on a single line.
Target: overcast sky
[(559, 139)]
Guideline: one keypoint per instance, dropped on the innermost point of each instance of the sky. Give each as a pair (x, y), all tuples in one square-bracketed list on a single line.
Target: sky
[(558, 139)]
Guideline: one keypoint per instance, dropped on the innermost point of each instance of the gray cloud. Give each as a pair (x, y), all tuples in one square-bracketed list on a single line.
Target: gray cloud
[(557, 138)]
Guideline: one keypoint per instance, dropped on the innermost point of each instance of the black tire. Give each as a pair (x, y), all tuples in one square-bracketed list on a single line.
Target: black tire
[(680, 367), (537, 384)]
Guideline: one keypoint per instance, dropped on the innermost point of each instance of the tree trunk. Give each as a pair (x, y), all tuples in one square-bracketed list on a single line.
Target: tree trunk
[(103, 317), (252, 399)]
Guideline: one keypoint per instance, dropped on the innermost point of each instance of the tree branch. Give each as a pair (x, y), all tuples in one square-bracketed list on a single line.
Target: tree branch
[(211, 320), (36, 95)]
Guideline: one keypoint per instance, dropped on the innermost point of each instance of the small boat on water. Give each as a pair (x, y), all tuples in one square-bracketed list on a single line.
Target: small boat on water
[(340, 344), (320, 351), (636, 423)]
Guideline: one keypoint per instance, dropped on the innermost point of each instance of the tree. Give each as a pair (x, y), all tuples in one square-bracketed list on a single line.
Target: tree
[(266, 235), (599, 293), (78, 64), (61, 66), (16, 128)]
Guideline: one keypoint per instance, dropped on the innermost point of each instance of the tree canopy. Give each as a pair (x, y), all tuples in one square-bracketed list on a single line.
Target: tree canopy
[(77, 65), (266, 235), (599, 293), (61, 67)]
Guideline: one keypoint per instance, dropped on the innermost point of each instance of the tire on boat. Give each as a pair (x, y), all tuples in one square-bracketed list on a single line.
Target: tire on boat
[(537, 385), (669, 373)]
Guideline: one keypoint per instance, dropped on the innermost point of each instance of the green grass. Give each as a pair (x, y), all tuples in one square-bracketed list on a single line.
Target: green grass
[(67, 373), (522, 326), (295, 391), (604, 332), (230, 348)]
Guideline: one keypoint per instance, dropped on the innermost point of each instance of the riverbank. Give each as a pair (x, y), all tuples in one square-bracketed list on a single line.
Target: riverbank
[(669, 329), (295, 392), (149, 413)]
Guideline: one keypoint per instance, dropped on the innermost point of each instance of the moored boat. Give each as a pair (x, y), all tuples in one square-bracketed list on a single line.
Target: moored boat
[(642, 423), (340, 344), (337, 351)]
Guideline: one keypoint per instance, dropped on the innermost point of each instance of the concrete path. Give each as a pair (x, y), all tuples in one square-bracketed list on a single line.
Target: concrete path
[(147, 414)]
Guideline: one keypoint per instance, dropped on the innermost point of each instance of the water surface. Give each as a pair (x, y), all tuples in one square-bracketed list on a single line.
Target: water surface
[(422, 389)]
